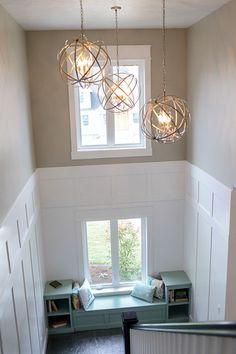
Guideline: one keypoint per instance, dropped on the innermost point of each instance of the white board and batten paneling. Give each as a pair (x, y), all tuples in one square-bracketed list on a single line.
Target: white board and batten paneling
[(22, 328), (208, 208), (231, 275), (70, 193)]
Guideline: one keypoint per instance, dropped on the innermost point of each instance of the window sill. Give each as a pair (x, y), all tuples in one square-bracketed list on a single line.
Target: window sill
[(110, 153), (112, 291)]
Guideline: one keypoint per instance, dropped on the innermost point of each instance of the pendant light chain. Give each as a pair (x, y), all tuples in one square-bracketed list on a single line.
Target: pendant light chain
[(164, 47), (118, 92), (165, 118), (82, 17), (81, 61), (117, 43)]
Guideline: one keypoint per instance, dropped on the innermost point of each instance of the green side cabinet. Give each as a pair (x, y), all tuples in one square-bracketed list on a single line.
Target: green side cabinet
[(57, 303), (177, 295)]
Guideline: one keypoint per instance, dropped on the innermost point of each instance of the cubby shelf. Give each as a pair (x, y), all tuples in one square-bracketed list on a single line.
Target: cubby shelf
[(177, 285), (61, 297)]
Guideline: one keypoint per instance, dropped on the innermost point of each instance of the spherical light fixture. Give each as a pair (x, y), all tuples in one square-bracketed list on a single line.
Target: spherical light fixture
[(82, 61), (165, 118), (118, 92)]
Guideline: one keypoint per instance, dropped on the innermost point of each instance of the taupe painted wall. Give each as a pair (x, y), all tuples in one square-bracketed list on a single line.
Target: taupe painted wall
[(49, 94), (16, 149), (212, 94)]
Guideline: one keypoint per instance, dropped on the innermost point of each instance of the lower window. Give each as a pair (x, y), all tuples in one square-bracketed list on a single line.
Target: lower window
[(115, 251)]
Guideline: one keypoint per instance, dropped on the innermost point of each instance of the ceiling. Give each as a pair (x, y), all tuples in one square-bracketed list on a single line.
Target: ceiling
[(65, 14)]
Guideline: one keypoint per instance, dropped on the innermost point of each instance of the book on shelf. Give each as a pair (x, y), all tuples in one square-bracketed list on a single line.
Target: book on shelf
[(182, 299), (59, 323), (171, 295), (54, 306), (49, 306)]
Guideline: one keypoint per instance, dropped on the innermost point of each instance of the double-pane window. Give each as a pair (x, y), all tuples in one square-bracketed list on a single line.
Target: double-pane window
[(96, 132), (115, 251)]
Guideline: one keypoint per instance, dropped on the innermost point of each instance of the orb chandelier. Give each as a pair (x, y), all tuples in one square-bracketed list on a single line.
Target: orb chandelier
[(118, 92), (82, 61), (165, 118)]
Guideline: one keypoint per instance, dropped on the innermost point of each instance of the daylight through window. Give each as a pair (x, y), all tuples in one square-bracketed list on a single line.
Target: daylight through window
[(96, 132), (115, 251)]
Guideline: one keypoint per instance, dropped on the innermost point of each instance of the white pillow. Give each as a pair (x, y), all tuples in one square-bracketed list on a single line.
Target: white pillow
[(86, 295)]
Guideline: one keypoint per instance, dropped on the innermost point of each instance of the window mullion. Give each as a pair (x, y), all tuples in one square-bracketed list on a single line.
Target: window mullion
[(110, 128), (85, 252), (115, 252), (144, 248)]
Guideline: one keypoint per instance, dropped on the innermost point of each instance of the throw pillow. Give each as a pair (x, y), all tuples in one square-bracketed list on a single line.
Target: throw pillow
[(86, 295), (75, 296), (144, 292), (159, 285)]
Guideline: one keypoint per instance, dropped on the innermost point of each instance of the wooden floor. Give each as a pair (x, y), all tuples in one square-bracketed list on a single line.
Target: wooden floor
[(90, 342)]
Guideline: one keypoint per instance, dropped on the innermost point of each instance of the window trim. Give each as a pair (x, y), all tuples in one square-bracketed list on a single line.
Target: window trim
[(129, 52), (115, 286)]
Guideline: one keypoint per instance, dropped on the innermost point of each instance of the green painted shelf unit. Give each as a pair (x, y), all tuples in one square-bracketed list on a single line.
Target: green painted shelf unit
[(105, 312), (59, 321), (177, 295)]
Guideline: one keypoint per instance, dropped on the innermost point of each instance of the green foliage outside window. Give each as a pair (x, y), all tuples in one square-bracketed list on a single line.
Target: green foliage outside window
[(129, 251)]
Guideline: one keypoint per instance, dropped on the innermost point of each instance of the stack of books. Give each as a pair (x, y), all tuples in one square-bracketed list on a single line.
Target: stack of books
[(181, 296), (59, 323)]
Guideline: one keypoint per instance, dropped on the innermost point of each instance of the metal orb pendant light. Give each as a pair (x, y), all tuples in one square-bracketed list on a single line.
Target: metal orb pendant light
[(165, 118), (81, 61), (118, 92)]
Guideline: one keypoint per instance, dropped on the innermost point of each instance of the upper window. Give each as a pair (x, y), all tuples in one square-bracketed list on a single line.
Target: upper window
[(97, 133), (114, 251)]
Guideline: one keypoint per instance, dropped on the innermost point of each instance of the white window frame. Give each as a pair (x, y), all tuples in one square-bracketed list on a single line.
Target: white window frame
[(127, 54), (115, 251)]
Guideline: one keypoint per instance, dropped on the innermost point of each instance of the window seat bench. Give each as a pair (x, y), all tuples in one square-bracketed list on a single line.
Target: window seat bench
[(105, 312)]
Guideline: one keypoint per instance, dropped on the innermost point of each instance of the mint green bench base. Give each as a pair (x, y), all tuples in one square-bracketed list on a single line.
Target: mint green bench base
[(105, 312)]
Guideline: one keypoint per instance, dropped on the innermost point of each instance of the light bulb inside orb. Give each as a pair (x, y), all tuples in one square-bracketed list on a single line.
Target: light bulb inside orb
[(83, 62), (163, 118), (118, 92), (118, 96)]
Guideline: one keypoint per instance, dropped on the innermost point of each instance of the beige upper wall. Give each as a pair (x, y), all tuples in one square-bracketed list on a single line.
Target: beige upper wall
[(49, 94), (212, 94), (16, 149)]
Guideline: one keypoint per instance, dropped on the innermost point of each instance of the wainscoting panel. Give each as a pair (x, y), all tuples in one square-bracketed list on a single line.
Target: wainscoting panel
[(81, 191), (21, 310), (38, 284), (99, 192), (4, 265), (231, 275), (31, 301), (9, 331), (208, 208), (22, 325), (205, 198), (12, 237), (218, 279), (129, 188), (203, 269), (166, 186)]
